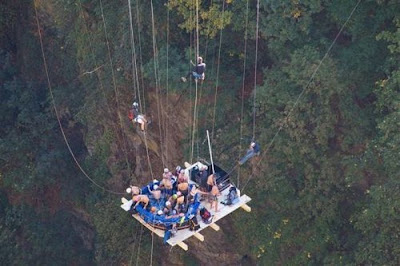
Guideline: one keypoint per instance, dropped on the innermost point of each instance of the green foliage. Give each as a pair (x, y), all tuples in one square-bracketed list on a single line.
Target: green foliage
[(117, 232), (211, 17), (378, 222)]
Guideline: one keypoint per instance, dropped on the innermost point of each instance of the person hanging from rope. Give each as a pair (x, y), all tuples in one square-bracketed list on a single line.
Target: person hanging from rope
[(253, 150), (136, 117), (198, 72)]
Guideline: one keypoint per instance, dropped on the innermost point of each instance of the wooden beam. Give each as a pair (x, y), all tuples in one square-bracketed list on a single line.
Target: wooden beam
[(158, 232), (199, 236), (246, 207), (183, 246), (214, 226)]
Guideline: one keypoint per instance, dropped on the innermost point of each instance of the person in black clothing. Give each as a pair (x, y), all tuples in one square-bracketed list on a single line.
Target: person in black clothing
[(198, 72)]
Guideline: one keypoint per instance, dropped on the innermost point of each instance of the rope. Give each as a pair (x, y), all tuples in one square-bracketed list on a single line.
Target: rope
[(58, 115), (140, 53), (255, 71), (135, 75), (196, 81), (157, 83), (115, 88), (243, 83), (140, 243), (194, 123), (167, 86), (304, 89), (217, 79)]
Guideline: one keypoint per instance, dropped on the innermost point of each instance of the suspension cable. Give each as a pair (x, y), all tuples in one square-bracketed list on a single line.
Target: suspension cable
[(157, 81), (140, 54), (243, 85), (255, 72), (217, 78)]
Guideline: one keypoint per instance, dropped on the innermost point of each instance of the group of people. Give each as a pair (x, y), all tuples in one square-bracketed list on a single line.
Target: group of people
[(173, 195)]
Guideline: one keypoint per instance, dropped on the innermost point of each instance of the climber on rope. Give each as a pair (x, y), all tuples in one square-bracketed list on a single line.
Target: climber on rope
[(198, 71), (136, 117), (253, 150)]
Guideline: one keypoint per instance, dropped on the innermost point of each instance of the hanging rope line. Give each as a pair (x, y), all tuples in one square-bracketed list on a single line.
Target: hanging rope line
[(194, 122), (243, 86), (58, 115), (217, 78), (167, 88), (140, 242), (115, 89), (140, 54), (255, 72), (196, 83), (304, 89), (157, 82), (135, 77)]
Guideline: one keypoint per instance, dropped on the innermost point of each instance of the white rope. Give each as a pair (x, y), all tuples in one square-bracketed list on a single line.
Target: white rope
[(243, 86)]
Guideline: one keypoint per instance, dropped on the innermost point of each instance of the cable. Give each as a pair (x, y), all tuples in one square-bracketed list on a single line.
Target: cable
[(57, 114), (255, 72), (243, 83), (217, 78), (304, 89), (156, 79)]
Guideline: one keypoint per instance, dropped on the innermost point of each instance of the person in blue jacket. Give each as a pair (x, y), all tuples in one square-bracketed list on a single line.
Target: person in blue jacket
[(253, 150)]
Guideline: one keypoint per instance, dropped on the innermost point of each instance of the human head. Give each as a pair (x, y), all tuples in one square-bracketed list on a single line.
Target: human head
[(160, 212), (253, 144), (166, 170), (135, 104), (199, 59), (155, 187), (167, 203), (129, 190), (178, 169), (174, 196)]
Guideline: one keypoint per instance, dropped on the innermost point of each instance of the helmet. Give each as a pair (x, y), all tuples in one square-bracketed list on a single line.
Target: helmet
[(135, 104), (129, 190), (178, 168), (167, 203), (155, 187), (200, 59), (166, 170), (253, 144), (160, 212)]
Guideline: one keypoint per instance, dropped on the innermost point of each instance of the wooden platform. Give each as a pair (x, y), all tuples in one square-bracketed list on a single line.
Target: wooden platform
[(184, 234)]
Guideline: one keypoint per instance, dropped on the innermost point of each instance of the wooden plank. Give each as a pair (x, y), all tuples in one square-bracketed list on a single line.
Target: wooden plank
[(183, 246), (246, 207), (199, 236), (158, 232), (215, 226)]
